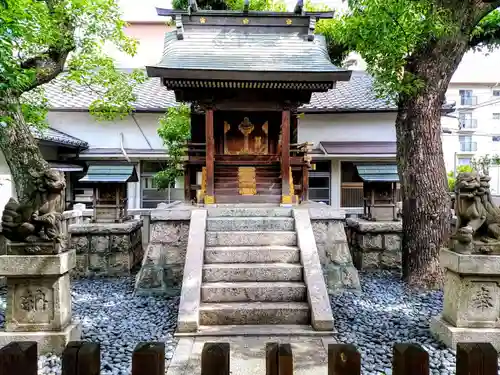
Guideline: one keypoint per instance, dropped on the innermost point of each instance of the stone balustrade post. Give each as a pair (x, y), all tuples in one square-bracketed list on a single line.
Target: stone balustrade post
[(39, 295)]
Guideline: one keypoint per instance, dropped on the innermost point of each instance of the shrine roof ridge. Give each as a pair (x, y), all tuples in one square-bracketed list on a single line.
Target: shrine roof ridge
[(241, 13)]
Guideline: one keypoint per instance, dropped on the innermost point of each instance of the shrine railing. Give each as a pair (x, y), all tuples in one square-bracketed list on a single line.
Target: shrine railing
[(196, 149), (298, 151), (148, 358)]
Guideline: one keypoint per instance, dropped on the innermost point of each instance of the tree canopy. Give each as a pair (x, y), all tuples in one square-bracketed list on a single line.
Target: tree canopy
[(39, 39), (390, 35)]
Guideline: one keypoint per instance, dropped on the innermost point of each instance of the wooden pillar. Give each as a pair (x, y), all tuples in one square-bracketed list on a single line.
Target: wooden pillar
[(286, 198), (187, 182), (305, 183), (209, 163)]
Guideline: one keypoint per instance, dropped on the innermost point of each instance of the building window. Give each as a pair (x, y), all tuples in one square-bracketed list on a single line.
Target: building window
[(496, 92), (351, 191), (495, 138), (319, 182), (466, 121), (496, 116), (150, 195), (464, 161), (466, 97)]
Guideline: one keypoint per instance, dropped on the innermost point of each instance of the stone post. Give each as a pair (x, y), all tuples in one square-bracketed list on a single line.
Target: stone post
[(39, 295), (471, 306)]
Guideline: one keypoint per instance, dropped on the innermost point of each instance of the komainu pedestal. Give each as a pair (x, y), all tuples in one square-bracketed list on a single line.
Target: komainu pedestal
[(39, 295), (471, 308), (471, 311)]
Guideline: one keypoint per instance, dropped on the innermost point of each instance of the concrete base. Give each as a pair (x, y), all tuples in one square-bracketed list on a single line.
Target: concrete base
[(451, 336), (48, 342), (248, 354)]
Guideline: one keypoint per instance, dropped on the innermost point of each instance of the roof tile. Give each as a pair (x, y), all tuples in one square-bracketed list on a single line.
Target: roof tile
[(236, 49), (57, 136), (354, 95)]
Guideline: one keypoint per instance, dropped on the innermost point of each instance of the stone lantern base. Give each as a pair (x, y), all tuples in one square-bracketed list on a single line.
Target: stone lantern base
[(471, 306), (39, 298)]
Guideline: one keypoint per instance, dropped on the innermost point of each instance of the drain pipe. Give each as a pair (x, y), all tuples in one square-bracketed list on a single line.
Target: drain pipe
[(123, 149)]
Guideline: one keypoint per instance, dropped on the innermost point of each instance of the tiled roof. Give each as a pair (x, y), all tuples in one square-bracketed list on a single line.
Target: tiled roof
[(151, 96), (354, 95), (242, 49), (53, 135)]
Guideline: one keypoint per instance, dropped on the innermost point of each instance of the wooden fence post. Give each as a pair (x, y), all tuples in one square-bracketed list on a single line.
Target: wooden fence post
[(476, 359), (149, 359), (81, 358), (343, 359), (19, 358), (410, 359), (272, 359), (285, 359), (215, 358)]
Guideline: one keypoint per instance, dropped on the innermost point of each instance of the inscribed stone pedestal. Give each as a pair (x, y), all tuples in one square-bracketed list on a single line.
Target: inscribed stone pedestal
[(471, 305), (39, 297)]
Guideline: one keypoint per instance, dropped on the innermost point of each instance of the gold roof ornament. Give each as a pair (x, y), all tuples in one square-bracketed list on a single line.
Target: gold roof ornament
[(245, 21), (203, 20), (288, 21)]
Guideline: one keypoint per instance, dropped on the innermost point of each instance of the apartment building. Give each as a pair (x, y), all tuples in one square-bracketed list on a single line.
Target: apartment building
[(475, 88)]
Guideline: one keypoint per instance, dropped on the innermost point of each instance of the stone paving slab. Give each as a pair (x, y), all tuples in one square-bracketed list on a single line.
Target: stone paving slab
[(248, 354)]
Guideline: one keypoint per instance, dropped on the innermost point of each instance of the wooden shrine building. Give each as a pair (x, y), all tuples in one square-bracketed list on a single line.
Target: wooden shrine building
[(245, 73)]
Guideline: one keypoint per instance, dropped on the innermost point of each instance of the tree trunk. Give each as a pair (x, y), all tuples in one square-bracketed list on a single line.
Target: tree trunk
[(426, 207), (426, 214), (20, 148)]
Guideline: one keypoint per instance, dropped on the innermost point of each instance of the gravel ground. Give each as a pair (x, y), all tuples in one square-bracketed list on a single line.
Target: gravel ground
[(112, 316), (384, 314), (387, 313)]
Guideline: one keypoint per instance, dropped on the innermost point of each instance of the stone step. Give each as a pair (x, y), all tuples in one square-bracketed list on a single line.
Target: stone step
[(226, 224), (261, 211), (217, 272), (268, 198), (283, 291), (261, 330), (252, 254), (247, 238), (240, 313)]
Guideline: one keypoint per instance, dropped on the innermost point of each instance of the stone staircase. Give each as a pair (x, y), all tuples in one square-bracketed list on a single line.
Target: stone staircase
[(252, 273)]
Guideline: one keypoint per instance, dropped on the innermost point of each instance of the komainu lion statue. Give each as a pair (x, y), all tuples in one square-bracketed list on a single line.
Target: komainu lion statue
[(39, 218), (478, 219)]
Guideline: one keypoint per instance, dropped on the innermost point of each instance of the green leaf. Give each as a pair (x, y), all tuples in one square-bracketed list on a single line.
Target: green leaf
[(175, 131)]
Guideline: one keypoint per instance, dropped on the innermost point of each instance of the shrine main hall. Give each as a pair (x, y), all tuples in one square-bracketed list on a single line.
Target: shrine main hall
[(245, 74)]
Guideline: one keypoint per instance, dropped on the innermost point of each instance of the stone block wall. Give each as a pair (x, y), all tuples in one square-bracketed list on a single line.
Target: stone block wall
[(375, 244), (106, 249), (163, 264), (333, 249)]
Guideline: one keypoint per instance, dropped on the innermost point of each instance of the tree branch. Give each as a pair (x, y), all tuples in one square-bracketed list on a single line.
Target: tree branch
[(47, 66), (487, 31)]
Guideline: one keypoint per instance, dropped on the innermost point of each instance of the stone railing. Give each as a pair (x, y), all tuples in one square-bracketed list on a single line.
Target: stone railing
[(80, 214), (376, 244)]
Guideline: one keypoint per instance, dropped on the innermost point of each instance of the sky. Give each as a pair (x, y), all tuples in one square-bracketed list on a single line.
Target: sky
[(475, 67), (145, 9)]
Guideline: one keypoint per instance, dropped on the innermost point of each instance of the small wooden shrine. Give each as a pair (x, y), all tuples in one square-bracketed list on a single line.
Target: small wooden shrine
[(109, 200), (379, 191), (245, 73)]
